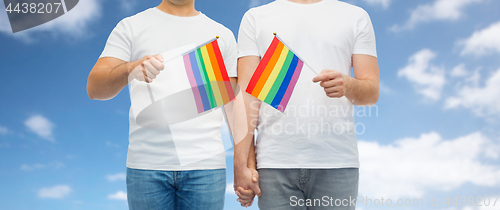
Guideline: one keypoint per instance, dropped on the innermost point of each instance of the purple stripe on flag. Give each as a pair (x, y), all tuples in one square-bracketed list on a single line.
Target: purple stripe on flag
[(289, 90), (194, 86)]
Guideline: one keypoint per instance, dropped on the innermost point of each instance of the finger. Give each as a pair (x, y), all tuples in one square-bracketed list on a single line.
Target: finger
[(160, 58), (255, 176), (334, 89), (245, 194), (151, 70), (145, 75), (145, 58), (238, 194), (157, 64), (335, 95), (327, 75), (256, 190), (331, 83), (320, 77), (251, 202), (243, 199)]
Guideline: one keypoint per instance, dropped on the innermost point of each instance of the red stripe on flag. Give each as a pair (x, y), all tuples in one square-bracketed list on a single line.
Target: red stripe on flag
[(220, 60), (262, 65), (223, 71)]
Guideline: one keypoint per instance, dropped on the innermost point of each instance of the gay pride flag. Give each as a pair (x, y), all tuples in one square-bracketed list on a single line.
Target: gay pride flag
[(208, 77), (274, 79)]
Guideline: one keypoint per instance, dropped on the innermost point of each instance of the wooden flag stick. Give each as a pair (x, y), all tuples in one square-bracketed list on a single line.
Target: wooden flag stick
[(275, 34)]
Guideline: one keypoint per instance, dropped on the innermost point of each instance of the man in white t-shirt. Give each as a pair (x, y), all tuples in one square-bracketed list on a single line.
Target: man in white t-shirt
[(156, 176), (307, 156)]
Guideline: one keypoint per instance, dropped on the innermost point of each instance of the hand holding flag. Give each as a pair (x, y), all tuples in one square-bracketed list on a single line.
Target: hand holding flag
[(333, 83), (147, 68)]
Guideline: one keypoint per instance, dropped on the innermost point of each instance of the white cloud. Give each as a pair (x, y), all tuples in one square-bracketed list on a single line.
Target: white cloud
[(483, 101), (120, 195), (41, 126), (32, 167), (383, 3), (128, 5), (3, 130), (74, 23), (116, 177), (438, 10), (428, 80), (491, 206), (230, 189), (384, 88), (57, 192), (26, 167), (410, 167), (111, 144), (482, 42), (459, 71)]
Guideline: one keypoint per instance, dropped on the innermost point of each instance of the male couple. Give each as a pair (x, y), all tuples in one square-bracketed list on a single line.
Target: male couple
[(307, 153)]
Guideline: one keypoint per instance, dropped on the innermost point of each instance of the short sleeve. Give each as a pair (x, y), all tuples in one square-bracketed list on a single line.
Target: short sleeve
[(231, 55), (119, 44), (247, 44), (365, 36)]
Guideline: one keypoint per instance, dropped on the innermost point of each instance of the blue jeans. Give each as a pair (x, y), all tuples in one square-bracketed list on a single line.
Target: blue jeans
[(179, 190), (284, 189)]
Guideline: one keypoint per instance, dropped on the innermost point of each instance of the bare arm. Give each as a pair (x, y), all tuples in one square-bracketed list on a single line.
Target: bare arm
[(252, 162), (228, 109), (362, 90), (246, 112), (110, 75)]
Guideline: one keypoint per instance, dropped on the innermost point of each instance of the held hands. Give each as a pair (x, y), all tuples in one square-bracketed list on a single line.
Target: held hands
[(147, 68), (244, 188), (333, 82)]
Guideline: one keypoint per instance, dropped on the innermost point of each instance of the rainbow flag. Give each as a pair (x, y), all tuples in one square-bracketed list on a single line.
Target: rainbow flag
[(274, 79), (208, 77)]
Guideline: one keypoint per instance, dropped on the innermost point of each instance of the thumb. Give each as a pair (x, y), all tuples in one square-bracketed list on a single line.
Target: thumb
[(159, 57), (255, 176), (256, 190)]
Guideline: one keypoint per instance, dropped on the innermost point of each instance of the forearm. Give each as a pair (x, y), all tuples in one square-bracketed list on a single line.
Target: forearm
[(244, 121), (229, 112), (252, 162), (246, 108), (106, 83), (361, 92)]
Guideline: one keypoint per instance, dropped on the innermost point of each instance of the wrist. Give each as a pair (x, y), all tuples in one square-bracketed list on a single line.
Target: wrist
[(129, 67), (347, 83), (239, 165)]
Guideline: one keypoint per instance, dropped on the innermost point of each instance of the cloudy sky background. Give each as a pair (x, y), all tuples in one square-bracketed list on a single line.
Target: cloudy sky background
[(434, 131)]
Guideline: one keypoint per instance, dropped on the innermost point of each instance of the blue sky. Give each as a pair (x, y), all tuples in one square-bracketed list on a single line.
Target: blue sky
[(434, 131)]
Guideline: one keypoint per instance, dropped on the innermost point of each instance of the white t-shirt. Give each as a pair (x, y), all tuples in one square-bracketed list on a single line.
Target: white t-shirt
[(152, 32), (315, 131)]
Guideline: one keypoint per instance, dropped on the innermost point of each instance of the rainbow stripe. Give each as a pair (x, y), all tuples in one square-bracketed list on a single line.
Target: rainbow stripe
[(208, 77), (274, 79)]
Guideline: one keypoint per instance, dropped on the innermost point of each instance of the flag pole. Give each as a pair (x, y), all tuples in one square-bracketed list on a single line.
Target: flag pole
[(225, 116), (148, 84), (275, 34)]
